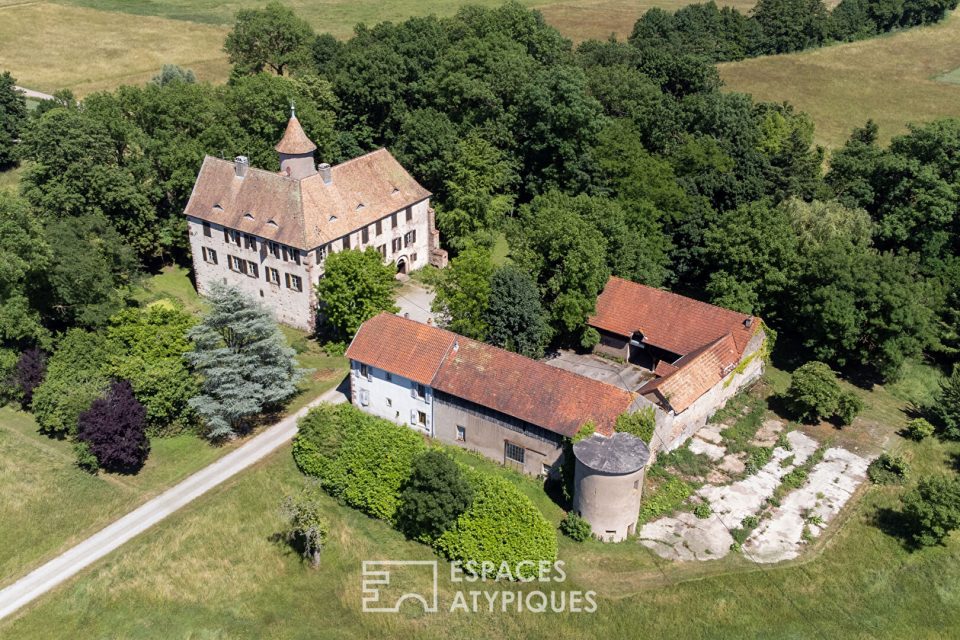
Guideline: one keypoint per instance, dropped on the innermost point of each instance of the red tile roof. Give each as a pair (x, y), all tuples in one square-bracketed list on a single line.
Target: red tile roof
[(295, 140), (532, 391), (401, 346), (711, 340), (666, 320), (304, 213)]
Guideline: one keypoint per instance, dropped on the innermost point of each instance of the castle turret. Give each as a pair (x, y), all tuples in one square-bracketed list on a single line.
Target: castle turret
[(296, 150)]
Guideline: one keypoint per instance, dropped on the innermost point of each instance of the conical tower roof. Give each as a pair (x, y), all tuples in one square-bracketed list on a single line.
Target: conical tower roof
[(295, 140)]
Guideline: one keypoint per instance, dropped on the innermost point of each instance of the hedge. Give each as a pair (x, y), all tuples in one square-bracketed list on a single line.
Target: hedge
[(360, 459), (502, 525)]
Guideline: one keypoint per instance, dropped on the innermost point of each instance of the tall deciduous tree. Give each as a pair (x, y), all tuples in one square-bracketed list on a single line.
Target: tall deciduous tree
[(13, 114), (273, 37), (463, 291), (244, 361), (515, 318), (933, 509), (26, 256), (356, 286), (114, 428)]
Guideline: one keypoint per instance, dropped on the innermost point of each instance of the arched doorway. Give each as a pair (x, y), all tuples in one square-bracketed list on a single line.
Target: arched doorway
[(402, 266)]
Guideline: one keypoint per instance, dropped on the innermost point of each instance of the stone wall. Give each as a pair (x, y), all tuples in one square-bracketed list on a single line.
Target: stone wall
[(673, 430)]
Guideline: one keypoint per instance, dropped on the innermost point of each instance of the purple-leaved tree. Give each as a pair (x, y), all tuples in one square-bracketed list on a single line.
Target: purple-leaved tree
[(31, 368), (114, 428)]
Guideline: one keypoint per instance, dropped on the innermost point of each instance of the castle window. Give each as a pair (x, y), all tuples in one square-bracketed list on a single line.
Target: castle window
[(322, 253), (396, 244), (206, 228), (393, 220), (274, 249), (409, 238), (379, 227), (294, 282), (252, 269), (409, 214), (365, 235), (272, 275), (249, 241), (209, 255), (461, 433), (513, 452), (383, 250), (346, 242)]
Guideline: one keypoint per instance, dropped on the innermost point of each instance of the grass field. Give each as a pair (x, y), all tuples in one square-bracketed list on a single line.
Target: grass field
[(88, 45), (214, 570), (48, 504), (892, 79)]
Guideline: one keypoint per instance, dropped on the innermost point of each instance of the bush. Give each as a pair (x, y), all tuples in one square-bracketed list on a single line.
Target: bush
[(114, 427), (640, 423), (360, 459), (667, 498), (501, 525), (703, 510), (933, 508), (85, 458), (433, 497), (575, 527), (918, 429), (9, 386), (758, 457), (307, 529), (888, 469), (31, 369), (814, 392), (849, 407), (75, 377), (590, 338)]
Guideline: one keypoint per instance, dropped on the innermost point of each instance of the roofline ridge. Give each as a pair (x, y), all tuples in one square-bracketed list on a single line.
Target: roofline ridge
[(680, 295)]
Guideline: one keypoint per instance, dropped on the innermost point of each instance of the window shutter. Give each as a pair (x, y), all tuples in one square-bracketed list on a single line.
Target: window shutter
[(413, 389), (426, 396), (413, 416), (369, 374)]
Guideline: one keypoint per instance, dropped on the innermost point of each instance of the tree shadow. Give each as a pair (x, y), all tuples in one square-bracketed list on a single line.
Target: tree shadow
[(896, 525), (553, 487)]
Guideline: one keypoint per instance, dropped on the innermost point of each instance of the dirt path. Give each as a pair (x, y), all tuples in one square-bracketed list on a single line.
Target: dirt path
[(36, 95)]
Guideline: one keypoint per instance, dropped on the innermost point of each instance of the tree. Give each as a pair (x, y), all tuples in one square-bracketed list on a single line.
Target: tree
[(273, 37), (515, 318), (243, 360), (75, 377), (356, 286), (149, 347), (114, 427), (26, 256), (173, 73), (434, 496), (814, 392), (791, 25), (945, 411), (13, 115), (29, 373), (933, 508), (307, 528), (463, 292), (566, 255)]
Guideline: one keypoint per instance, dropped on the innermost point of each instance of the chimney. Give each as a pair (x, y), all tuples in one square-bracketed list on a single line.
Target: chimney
[(324, 170), (240, 164)]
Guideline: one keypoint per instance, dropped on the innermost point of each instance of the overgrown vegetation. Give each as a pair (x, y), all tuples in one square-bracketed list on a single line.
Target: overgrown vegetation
[(888, 468), (814, 393)]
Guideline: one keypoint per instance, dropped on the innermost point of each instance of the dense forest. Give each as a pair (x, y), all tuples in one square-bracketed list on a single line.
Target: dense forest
[(609, 157)]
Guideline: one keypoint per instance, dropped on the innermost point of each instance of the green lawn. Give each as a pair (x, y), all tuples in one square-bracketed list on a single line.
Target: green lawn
[(213, 570), (48, 504)]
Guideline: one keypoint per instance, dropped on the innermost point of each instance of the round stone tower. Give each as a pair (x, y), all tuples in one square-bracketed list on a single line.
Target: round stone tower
[(608, 482)]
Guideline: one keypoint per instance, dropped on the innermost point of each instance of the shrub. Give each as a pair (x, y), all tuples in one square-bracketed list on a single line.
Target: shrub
[(741, 533), (667, 498), (75, 377), (918, 429), (590, 338), (575, 527), (640, 423), (433, 497), (501, 525), (849, 407), (307, 529), (360, 459), (85, 458), (814, 392), (933, 508), (9, 386), (31, 368), (888, 469), (703, 510), (115, 429), (148, 351)]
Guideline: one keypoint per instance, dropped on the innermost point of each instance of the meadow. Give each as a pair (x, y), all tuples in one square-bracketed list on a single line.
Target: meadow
[(895, 79), (216, 569), (48, 504), (90, 45)]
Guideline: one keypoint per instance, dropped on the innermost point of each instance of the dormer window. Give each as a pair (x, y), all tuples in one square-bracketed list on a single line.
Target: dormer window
[(333, 218), (248, 216), (359, 206), (217, 207), (273, 224), (395, 191)]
